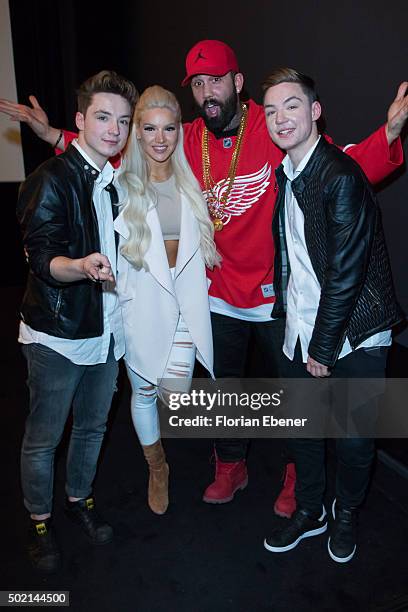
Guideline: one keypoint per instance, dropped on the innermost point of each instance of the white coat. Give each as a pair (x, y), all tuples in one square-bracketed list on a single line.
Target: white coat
[(151, 301)]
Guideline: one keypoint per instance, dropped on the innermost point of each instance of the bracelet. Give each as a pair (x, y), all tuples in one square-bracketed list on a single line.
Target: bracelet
[(58, 139)]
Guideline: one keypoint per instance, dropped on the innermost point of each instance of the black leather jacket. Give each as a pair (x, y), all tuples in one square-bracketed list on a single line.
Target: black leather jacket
[(345, 242), (57, 217)]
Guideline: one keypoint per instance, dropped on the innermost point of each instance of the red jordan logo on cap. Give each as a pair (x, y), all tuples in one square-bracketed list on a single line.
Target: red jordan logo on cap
[(200, 56)]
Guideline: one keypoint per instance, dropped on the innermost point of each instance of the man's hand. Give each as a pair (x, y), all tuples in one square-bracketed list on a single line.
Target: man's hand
[(316, 369), (397, 113), (35, 117), (95, 266)]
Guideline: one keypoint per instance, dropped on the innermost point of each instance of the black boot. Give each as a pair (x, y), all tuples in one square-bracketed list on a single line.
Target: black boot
[(42, 547), (84, 514)]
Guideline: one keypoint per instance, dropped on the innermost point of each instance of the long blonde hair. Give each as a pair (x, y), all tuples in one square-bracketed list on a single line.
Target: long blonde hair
[(140, 196)]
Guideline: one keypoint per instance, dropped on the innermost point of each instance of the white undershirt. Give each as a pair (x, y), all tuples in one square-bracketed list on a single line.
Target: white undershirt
[(90, 351), (304, 290), (257, 314)]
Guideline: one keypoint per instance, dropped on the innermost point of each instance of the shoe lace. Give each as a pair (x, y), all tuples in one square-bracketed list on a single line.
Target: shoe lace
[(226, 468), (346, 521), (297, 522)]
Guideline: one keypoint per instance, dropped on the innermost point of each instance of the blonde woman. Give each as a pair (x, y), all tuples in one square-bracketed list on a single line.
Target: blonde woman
[(166, 241)]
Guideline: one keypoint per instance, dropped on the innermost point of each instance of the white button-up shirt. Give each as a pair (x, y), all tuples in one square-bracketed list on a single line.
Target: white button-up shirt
[(303, 294), (90, 351)]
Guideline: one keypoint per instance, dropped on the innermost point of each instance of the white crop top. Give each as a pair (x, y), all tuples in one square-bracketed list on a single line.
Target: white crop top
[(168, 208)]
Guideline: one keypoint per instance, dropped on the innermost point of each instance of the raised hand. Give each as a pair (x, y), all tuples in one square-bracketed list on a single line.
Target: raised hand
[(397, 113), (34, 116)]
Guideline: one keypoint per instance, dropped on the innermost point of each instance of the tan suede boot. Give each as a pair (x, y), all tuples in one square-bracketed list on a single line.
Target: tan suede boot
[(158, 495)]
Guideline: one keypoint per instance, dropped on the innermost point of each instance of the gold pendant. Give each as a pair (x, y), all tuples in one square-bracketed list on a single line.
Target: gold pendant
[(218, 225)]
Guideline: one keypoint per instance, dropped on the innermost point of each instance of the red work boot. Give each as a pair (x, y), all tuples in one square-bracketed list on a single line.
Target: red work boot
[(229, 477), (285, 504)]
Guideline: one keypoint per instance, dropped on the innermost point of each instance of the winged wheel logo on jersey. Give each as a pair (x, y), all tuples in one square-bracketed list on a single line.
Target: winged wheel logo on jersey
[(246, 191)]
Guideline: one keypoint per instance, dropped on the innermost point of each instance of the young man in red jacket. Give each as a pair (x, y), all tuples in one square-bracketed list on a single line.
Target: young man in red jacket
[(234, 160)]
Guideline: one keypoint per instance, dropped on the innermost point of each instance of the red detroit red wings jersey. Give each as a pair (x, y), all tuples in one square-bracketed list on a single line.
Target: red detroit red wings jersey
[(245, 242)]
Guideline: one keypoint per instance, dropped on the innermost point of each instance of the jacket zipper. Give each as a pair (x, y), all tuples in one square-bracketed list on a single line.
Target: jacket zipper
[(375, 300), (58, 304)]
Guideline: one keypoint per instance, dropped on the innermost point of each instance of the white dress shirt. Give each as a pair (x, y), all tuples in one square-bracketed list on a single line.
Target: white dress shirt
[(90, 351), (303, 294)]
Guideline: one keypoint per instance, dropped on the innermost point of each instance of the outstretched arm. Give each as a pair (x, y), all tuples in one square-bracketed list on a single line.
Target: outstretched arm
[(95, 266), (381, 153), (34, 116)]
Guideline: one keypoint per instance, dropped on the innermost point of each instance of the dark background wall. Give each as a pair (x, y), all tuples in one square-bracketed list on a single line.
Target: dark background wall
[(356, 51)]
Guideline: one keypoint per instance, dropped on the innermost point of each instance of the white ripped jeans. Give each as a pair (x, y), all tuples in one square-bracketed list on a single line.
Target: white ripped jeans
[(143, 403)]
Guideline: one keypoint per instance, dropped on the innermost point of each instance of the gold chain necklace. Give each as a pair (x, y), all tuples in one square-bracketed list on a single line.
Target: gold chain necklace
[(216, 205)]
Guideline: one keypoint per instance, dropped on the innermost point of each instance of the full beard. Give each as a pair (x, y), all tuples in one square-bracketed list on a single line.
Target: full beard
[(228, 110)]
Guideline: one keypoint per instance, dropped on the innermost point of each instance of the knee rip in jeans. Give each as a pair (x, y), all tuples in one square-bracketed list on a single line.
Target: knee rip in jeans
[(149, 391), (180, 369)]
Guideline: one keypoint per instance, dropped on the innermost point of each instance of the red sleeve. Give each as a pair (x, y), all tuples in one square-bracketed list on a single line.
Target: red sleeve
[(69, 137), (377, 158)]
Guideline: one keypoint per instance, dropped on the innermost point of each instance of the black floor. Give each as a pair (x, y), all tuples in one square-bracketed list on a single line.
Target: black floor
[(197, 557)]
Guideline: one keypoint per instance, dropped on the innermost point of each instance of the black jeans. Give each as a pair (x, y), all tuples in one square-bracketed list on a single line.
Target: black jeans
[(354, 455), (231, 341)]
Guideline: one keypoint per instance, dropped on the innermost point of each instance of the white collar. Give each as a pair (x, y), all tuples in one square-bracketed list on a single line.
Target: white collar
[(288, 166), (105, 175)]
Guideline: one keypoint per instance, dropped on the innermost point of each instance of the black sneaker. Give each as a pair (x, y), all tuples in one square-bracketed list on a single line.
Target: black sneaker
[(342, 541), (84, 514), (301, 525), (42, 547)]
